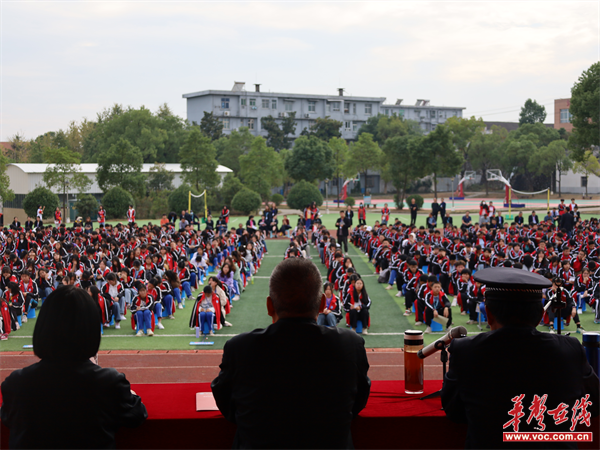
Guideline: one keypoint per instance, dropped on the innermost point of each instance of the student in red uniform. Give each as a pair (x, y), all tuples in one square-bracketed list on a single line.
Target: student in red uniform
[(141, 307), (362, 215), (57, 217), (101, 216), (330, 315), (203, 312), (358, 304), (4, 319), (131, 215), (385, 214)]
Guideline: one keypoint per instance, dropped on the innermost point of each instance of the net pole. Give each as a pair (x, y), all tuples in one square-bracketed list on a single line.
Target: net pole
[(205, 205), (548, 203), (189, 200), (509, 200)]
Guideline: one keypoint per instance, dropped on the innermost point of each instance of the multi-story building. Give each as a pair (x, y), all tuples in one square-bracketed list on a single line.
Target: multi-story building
[(562, 116), (239, 108)]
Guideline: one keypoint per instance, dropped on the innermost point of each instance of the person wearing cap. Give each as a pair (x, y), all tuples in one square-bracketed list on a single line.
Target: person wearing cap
[(490, 371)]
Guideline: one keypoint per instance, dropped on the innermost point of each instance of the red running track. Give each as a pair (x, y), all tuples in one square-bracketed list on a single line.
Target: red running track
[(202, 366)]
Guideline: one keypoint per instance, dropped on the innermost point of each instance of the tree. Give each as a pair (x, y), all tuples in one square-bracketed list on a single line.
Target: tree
[(176, 130), (462, 131), (230, 148), (121, 165), (180, 197), (19, 148), (159, 178), (406, 160), (63, 173), (324, 128), (585, 109), (588, 165), (339, 158), (116, 202), (40, 196), (532, 112), (6, 193), (303, 194), (390, 126), (86, 205), (277, 137), (485, 152), (211, 126), (551, 160), (198, 163), (310, 160), (364, 155), (138, 126), (246, 201), (231, 186), (442, 157), (262, 168), (38, 145)]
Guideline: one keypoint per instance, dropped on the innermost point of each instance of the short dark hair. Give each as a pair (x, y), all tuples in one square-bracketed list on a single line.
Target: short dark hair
[(295, 287), (68, 326), (509, 313)]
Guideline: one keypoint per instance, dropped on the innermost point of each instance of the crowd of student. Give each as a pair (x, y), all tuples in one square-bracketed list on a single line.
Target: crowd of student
[(148, 270)]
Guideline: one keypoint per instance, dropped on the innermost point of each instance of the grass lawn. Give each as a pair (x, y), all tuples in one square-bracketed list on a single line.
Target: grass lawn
[(387, 320)]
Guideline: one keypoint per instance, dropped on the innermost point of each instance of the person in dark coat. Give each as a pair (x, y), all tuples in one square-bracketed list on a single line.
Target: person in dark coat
[(294, 384), (567, 221), (342, 225), (79, 404), (491, 375)]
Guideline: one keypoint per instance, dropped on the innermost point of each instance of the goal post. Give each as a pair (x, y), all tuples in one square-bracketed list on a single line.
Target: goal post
[(190, 195)]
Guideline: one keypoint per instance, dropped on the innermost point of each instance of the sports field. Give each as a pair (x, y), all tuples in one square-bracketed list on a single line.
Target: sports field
[(387, 321)]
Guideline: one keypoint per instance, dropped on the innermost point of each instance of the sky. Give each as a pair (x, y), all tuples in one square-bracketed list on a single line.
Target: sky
[(63, 61)]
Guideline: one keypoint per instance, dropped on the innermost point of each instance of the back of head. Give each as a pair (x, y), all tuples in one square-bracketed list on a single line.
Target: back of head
[(295, 288), (68, 327)]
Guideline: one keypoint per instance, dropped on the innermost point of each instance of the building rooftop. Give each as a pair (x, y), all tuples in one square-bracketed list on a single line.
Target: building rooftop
[(91, 168)]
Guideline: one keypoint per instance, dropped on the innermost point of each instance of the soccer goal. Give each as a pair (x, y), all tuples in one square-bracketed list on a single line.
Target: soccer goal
[(459, 194), (525, 199)]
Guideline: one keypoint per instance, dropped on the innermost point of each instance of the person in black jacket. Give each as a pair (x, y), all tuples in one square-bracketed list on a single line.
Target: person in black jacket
[(82, 404), (294, 384), (493, 374), (342, 224)]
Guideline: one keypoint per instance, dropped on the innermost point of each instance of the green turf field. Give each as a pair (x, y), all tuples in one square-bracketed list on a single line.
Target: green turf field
[(387, 321)]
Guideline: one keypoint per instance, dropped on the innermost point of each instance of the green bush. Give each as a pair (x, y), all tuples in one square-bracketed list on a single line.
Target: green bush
[(231, 186), (86, 205), (179, 199), (277, 199), (40, 196), (246, 201), (116, 202), (350, 201), (399, 204), (303, 194), (418, 200)]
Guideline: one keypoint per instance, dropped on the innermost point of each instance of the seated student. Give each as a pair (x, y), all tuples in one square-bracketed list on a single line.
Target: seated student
[(141, 309), (436, 304), (160, 303), (16, 301), (184, 275), (83, 405), (332, 313), (114, 297), (569, 312), (203, 312), (45, 284), (411, 277), (127, 283), (358, 304), (30, 291), (5, 319)]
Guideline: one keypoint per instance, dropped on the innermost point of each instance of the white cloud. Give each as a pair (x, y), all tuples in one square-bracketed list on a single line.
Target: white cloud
[(64, 61)]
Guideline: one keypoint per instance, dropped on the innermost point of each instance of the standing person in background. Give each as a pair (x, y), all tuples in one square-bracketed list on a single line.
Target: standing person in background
[(225, 214), (131, 215), (483, 208), (57, 217), (349, 214), (435, 210), (443, 211), (40, 212), (308, 217), (362, 215), (385, 214), (101, 216), (491, 210), (413, 211), (342, 224), (562, 208)]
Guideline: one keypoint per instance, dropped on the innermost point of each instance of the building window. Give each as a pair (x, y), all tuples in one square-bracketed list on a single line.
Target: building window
[(311, 123), (225, 121), (565, 116), (583, 182), (386, 112), (441, 115), (347, 125), (401, 113), (353, 108), (354, 127), (224, 103), (288, 106), (333, 106), (368, 108), (433, 125), (273, 104), (312, 106), (346, 108), (251, 124), (265, 103), (243, 102), (432, 114), (252, 102)]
